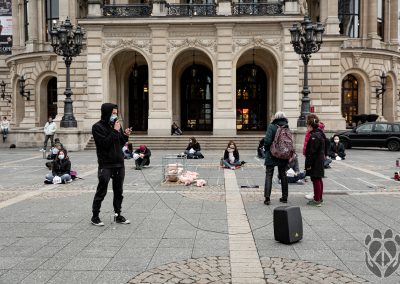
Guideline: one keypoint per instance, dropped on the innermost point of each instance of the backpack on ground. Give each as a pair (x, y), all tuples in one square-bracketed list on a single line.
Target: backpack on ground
[(282, 146)]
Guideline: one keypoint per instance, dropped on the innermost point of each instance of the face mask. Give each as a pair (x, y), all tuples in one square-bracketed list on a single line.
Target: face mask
[(61, 157), (336, 140), (113, 117)]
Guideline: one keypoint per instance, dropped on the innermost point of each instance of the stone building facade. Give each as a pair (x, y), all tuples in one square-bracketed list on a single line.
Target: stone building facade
[(220, 68)]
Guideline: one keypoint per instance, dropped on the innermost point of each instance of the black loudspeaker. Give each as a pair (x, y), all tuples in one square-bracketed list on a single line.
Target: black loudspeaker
[(288, 225)]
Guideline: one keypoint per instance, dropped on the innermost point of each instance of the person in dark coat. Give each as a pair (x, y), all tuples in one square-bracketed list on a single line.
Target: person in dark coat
[(231, 156), (315, 156), (109, 139), (336, 149), (271, 162), (260, 149), (142, 157), (193, 149), (60, 169)]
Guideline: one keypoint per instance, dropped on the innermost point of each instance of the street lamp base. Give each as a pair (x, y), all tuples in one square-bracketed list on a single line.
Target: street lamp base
[(68, 123), (301, 122)]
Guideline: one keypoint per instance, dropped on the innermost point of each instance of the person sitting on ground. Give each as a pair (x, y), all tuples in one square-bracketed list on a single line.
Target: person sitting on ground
[(193, 149), (336, 149), (60, 169), (231, 156), (175, 130), (54, 149), (294, 175), (260, 149), (142, 157), (128, 151)]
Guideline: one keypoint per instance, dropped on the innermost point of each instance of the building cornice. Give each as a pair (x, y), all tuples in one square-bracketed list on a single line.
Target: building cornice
[(18, 58)]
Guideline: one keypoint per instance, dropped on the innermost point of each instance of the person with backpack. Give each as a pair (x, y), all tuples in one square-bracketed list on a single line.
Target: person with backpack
[(316, 152), (278, 145)]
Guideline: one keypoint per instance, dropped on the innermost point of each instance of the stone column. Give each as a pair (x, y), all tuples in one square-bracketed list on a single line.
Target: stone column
[(224, 122), (94, 8), (15, 22), (373, 38), (394, 6), (33, 26), (329, 16), (160, 108), (95, 84)]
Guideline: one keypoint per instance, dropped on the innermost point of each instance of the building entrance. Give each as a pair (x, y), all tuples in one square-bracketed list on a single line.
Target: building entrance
[(139, 99)]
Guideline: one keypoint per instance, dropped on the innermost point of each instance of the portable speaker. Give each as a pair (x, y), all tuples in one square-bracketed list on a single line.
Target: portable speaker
[(288, 225)]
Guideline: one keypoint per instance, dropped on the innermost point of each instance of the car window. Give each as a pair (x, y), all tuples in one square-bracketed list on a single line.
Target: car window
[(365, 128), (395, 128), (381, 127)]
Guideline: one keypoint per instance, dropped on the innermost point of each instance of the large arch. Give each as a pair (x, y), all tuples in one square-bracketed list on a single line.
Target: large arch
[(41, 101), (183, 60), (117, 86), (267, 60), (389, 98)]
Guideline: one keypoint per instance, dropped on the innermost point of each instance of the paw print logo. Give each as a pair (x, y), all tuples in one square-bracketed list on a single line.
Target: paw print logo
[(383, 253)]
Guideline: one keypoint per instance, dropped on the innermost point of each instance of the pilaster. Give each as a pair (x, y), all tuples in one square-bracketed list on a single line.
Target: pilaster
[(224, 122), (160, 116)]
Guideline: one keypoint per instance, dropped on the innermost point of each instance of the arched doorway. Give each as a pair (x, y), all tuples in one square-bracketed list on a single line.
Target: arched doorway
[(251, 98), (197, 99), (139, 98), (52, 97), (349, 98)]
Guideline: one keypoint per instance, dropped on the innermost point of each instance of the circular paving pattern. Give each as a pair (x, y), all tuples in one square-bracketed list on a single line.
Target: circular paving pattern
[(283, 270), (217, 270), (199, 270)]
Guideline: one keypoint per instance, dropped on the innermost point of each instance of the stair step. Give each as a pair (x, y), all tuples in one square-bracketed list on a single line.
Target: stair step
[(180, 142)]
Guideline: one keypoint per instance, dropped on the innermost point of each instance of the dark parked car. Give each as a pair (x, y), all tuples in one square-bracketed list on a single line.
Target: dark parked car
[(372, 134)]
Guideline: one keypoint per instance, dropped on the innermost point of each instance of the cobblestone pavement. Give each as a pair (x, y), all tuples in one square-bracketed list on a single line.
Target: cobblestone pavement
[(46, 235)]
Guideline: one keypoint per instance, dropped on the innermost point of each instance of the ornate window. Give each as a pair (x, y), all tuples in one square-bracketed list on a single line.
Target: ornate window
[(349, 98), (349, 17), (52, 9), (381, 18)]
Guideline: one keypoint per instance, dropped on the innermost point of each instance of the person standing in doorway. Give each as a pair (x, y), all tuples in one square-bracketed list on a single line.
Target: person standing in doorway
[(5, 127), (109, 139), (50, 129)]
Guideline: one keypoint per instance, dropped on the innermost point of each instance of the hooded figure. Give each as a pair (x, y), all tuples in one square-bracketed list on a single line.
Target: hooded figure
[(109, 140)]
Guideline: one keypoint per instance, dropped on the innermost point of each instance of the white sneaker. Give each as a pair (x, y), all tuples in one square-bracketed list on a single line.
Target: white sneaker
[(309, 196), (42, 150)]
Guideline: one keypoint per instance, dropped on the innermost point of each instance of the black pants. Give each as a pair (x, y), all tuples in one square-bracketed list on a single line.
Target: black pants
[(47, 137), (269, 173), (104, 175), (140, 162)]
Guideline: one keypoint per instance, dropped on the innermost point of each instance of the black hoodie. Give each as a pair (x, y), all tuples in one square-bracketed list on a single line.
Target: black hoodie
[(109, 142)]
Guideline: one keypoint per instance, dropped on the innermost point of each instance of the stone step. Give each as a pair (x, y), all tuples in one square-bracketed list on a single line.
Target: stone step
[(243, 142)]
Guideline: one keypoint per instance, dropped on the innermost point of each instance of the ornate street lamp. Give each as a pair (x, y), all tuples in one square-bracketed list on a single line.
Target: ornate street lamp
[(306, 39), (382, 89), (3, 95), (22, 92), (67, 43)]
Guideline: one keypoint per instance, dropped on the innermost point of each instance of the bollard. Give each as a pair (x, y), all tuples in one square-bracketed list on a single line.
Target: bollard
[(398, 162)]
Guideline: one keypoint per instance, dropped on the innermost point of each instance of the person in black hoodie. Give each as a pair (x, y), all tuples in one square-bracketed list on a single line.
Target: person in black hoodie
[(109, 139)]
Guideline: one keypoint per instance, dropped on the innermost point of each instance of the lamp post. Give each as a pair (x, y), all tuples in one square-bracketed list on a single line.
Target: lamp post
[(67, 43), (382, 89), (306, 39), (22, 92), (3, 92)]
